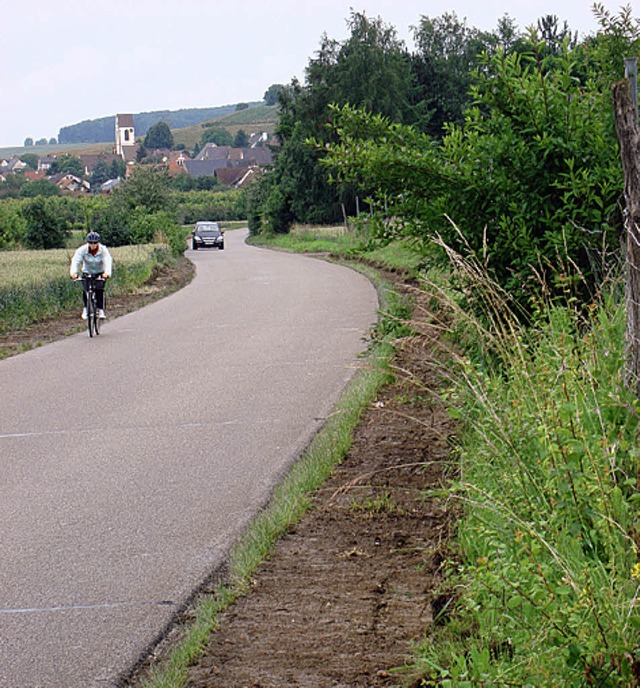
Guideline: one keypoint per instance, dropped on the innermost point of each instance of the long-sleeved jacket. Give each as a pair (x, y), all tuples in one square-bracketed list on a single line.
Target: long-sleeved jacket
[(99, 264)]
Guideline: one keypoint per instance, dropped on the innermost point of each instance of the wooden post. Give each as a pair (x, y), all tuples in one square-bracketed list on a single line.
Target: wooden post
[(631, 73), (629, 139)]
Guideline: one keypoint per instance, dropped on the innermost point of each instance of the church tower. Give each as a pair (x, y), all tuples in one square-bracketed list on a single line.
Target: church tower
[(125, 138)]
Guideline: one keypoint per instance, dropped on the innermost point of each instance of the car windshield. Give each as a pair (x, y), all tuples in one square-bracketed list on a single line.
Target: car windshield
[(207, 227)]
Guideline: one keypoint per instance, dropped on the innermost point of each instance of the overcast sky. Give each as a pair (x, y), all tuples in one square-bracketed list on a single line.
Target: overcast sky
[(68, 62)]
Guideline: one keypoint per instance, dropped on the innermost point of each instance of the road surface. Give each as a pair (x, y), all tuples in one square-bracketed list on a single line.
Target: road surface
[(131, 462)]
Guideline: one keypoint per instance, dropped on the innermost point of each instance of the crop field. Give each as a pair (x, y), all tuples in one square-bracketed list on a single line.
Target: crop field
[(34, 284)]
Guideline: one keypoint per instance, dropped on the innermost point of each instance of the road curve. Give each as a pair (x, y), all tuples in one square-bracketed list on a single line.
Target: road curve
[(130, 463)]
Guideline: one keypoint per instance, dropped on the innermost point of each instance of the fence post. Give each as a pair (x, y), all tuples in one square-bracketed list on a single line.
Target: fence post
[(631, 73), (626, 117)]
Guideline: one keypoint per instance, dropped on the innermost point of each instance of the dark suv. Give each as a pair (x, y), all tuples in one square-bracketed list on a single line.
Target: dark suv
[(207, 234)]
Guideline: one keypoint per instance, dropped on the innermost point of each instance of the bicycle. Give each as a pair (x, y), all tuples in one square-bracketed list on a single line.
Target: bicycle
[(93, 321)]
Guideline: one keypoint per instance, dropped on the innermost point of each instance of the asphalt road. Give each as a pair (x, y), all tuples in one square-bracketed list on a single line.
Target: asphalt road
[(131, 462)]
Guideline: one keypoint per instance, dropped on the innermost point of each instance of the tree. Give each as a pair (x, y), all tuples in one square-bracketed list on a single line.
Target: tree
[(41, 142), (147, 189), (272, 94), (553, 36), (100, 173), (241, 139), (113, 222), (141, 153), (45, 227), (31, 159), (159, 136), (67, 164), (447, 53), (531, 181), (39, 187), (12, 227), (28, 142), (12, 185), (117, 169), (221, 137), (242, 106), (182, 182), (53, 141), (370, 70)]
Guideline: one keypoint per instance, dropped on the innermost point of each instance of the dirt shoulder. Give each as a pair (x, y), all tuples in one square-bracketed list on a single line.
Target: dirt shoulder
[(355, 583)]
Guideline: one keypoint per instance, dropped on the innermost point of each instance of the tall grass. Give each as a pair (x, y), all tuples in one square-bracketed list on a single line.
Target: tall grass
[(35, 284), (545, 592)]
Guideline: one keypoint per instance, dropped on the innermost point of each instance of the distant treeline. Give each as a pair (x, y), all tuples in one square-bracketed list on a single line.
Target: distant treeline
[(103, 130)]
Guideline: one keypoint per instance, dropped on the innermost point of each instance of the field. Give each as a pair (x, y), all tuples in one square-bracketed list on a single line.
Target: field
[(252, 120), (36, 284), (58, 149)]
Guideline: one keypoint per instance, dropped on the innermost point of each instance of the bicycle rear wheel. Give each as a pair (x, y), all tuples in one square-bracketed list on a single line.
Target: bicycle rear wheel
[(96, 319), (91, 312)]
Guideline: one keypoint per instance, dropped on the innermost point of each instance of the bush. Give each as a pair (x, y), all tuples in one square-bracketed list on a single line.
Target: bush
[(13, 226), (45, 228), (192, 206), (112, 223)]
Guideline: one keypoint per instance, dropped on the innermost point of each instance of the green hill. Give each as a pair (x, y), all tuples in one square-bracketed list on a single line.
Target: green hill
[(102, 130), (252, 120), (256, 118)]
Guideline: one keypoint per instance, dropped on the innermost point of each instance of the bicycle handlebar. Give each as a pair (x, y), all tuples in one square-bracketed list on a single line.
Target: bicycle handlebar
[(84, 275)]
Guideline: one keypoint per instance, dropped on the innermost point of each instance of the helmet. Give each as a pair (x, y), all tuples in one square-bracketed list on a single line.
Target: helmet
[(93, 238)]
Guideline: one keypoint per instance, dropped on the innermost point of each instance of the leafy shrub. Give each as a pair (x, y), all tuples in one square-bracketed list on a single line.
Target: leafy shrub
[(45, 227), (192, 206), (13, 226)]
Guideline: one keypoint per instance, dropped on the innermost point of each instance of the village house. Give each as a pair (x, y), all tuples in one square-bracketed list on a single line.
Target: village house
[(231, 166), (69, 183), (44, 163)]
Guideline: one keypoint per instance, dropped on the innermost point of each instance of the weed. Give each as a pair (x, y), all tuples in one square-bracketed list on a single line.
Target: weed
[(379, 503)]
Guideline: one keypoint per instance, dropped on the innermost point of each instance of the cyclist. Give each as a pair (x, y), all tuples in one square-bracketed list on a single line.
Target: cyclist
[(94, 258)]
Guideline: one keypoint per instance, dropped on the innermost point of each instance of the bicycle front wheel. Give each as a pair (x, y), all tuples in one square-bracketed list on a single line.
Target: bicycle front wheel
[(96, 319), (91, 309)]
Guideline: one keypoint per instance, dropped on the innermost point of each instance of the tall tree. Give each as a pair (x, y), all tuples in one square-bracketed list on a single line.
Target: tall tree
[(241, 139), (68, 164), (159, 136), (100, 173), (271, 94), (448, 51), (370, 70), (530, 180), (31, 159), (148, 189), (39, 187), (117, 169), (221, 137)]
